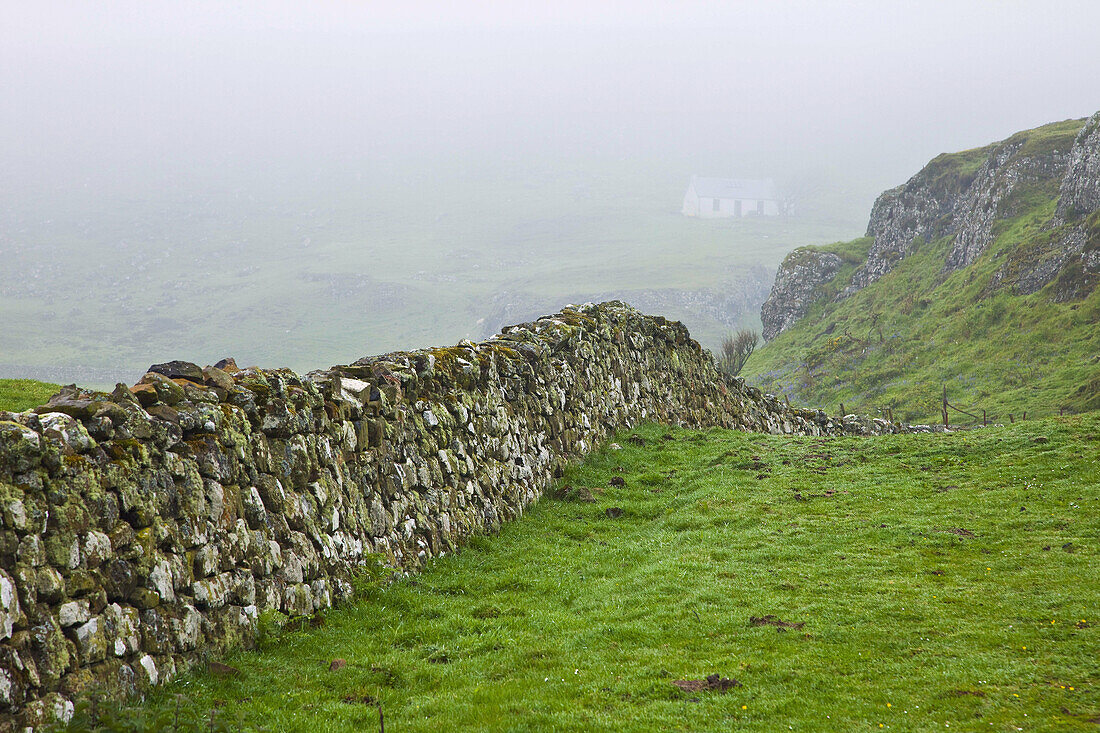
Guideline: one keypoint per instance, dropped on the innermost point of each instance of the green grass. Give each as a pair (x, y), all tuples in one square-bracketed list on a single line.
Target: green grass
[(943, 580), (17, 395)]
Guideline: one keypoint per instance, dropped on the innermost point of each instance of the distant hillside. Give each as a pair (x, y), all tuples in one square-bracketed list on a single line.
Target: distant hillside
[(979, 274)]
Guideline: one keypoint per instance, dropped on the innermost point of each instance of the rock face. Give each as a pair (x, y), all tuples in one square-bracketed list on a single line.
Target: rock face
[(149, 526), (964, 196), (989, 197), (1079, 192), (797, 287), (1069, 252)]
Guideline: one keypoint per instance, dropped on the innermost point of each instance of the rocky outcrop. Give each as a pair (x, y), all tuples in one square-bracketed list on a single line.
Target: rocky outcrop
[(964, 195), (1079, 192), (989, 198), (919, 211), (1068, 252), (797, 286), (142, 529)]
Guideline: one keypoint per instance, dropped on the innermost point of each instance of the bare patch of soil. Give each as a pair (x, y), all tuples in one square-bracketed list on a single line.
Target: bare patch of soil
[(775, 621), (713, 682)]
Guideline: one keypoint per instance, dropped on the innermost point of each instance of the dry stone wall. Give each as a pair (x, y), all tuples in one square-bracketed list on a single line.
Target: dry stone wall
[(148, 527)]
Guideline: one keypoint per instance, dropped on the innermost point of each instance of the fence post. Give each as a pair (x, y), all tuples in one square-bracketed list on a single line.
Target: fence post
[(945, 418), (842, 412), (1010, 418), (984, 421), (1025, 415)]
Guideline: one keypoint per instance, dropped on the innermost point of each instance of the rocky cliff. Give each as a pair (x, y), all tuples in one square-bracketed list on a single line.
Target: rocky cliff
[(145, 528), (970, 198), (797, 287)]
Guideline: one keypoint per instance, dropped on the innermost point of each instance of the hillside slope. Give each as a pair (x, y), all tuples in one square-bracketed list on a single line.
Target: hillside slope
[(979, 275)]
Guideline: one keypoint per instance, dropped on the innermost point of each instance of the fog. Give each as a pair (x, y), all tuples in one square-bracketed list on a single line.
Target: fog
[(452, 161)]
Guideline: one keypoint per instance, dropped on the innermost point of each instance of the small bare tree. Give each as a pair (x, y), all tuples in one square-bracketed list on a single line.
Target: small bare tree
[(736, 350)]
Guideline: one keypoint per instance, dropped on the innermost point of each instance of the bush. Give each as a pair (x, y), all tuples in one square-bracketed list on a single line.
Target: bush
[(736, 350)]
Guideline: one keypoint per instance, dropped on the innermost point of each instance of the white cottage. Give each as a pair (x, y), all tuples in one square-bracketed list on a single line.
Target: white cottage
[(720, 198)]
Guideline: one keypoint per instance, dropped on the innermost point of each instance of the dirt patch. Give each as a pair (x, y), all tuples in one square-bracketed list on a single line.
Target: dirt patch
[(577, 493), (956, 530), (636, 439), (713, 682), (613, 512), (617, 481), (223, 670), (775, 621), (360, 699)]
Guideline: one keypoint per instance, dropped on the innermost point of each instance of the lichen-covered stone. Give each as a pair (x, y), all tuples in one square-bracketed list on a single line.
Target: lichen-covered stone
[(10, 613)]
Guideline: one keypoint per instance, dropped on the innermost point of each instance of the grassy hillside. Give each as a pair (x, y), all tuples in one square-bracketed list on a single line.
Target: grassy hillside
[(898, 342), (17, 395), (909, 582)]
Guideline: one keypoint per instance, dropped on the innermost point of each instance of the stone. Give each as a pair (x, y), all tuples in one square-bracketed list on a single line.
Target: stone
[(10, 613), (160, 581), (97, 548), (227, 365), (73, 613), (91, 641), (147, 668), (179, 370), (51, 709), (165, 389), (20, 447)]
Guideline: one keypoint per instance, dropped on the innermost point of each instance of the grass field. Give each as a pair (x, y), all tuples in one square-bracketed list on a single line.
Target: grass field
[(17, 395), (907, 583)]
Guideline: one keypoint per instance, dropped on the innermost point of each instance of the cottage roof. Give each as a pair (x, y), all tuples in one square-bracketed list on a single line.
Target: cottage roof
[(734, 188)]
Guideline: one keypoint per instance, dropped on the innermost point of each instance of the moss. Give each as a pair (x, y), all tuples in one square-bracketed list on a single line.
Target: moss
[(1092, 232), (1045, 140), (951, 173), (1028, 196), (1073, 283), (853, 252)]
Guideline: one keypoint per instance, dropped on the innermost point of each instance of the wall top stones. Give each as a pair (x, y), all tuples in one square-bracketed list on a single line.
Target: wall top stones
[(146, 528)]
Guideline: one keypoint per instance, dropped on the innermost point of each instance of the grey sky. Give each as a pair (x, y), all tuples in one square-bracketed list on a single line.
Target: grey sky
[(879, 87)]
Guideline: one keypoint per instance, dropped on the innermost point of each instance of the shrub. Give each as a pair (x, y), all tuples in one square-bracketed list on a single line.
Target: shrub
[(736, 350)]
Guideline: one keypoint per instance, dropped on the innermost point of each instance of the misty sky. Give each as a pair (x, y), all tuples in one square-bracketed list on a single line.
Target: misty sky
[(296, 183), (99, 94)]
